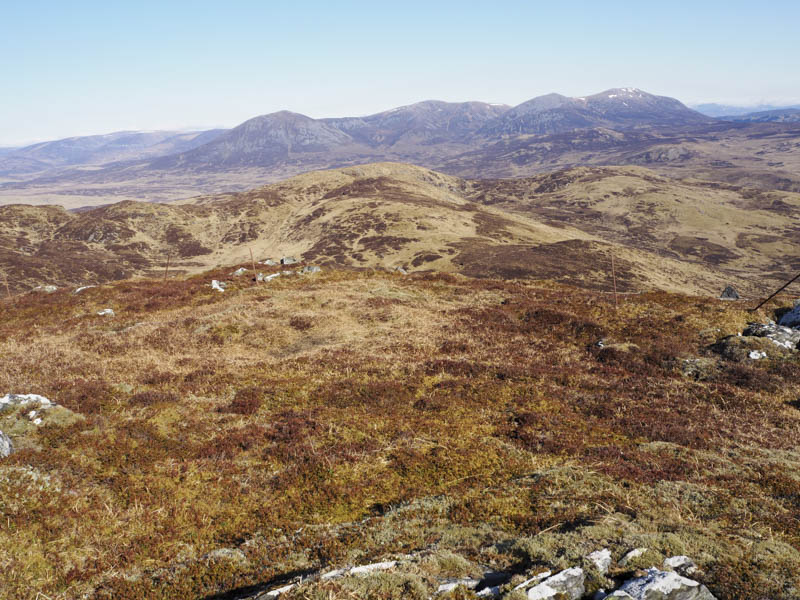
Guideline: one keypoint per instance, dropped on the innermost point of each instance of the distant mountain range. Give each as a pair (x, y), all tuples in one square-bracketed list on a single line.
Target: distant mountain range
[(99, 150), (727, 110), (781, 115), (468, 139), (411, 131)]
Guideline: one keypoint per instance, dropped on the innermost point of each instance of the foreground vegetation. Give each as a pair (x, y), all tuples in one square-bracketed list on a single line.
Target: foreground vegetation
[(352, 416)]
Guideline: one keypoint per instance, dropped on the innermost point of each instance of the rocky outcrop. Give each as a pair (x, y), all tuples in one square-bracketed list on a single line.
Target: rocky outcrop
[(23, 400), (778, 334)]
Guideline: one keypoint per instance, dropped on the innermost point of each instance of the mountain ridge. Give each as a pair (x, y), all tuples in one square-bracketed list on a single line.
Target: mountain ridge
[(468, 139)]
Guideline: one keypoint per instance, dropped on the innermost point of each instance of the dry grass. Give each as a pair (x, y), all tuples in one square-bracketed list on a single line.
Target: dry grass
[(348, 416)]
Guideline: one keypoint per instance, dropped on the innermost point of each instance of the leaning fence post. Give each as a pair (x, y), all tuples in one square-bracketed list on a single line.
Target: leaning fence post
[(167, 267), (8, 289), (783, 287), (614, 279), (253, 260)]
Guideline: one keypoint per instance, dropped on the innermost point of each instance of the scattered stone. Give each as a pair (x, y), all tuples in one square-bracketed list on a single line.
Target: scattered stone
[(568, 584), (239, 271), (228, 554), (682, 564), (47, 289), (601, 559), (633, 554), (106, 312), (6, 447), (271, 277), (663, 585), (269, 262), (287, 272), (82, 288), (449, 586), (401, 270), (535, 579), (288, 260), (380, 566), (216, 285), (335, 574), (780, 335), (489, 592), (757, 354), (281, 590), (791, 318), (729, 294), (308, 270)]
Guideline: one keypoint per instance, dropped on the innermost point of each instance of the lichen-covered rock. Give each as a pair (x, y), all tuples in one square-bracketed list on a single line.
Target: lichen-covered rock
[(217, 285), (566, 584), (780, 335), (6, 447), (664, 585), (449, 586), (371, 568), (226, 554), (106, 312), (632, 555), (601, 559), (239, 271), (288, 260), (310, 269), (23, 400), (682, 564), (737, 348)]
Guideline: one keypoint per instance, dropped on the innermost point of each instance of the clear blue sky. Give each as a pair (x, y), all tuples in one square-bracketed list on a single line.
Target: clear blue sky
[(78, 68)]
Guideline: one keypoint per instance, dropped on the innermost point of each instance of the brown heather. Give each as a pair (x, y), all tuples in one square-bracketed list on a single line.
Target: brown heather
[(345, 417)]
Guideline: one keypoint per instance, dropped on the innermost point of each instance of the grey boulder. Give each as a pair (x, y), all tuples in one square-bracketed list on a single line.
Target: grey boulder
[(567, 584), (791, 318), (663, 585)]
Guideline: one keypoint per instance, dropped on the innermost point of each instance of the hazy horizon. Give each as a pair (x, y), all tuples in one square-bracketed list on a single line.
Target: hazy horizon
[(91, 68)]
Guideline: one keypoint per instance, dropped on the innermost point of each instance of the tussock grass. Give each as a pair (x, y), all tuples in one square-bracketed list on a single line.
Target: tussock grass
[(350, 416)]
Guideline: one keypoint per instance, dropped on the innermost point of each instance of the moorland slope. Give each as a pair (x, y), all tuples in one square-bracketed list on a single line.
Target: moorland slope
[(564, 226), (220, 445)]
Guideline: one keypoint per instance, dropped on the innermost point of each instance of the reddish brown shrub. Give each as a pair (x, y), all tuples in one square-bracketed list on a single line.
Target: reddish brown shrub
[(247, 401), (84, 396)]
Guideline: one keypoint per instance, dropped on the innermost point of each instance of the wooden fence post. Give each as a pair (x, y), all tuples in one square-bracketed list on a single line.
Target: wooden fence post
[(253, 260), (166, 269), (8, 289), (614, 279)]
